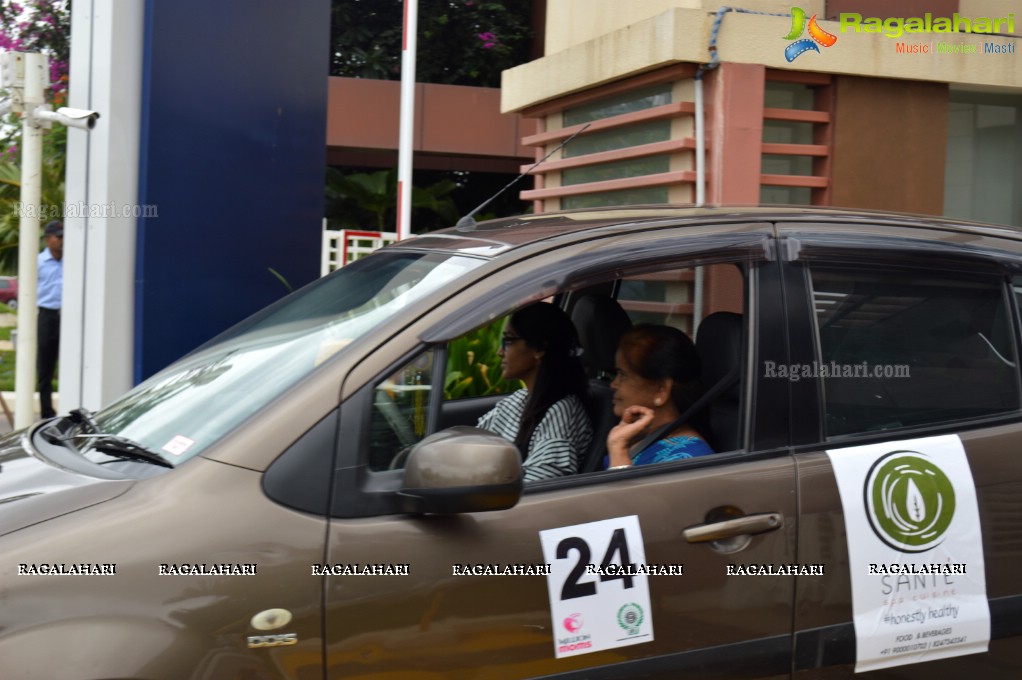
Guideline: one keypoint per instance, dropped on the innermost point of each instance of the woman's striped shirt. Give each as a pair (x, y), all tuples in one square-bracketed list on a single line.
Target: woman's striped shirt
[(559, 442)]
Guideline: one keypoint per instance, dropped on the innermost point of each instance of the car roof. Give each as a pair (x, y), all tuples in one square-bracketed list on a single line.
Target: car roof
[(493, 237)]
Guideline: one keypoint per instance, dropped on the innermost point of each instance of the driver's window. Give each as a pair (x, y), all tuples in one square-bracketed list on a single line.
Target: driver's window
[(473, 365), (400, 415)]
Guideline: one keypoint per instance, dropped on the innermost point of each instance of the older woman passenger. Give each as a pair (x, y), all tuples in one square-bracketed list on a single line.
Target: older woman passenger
[(657, 381)]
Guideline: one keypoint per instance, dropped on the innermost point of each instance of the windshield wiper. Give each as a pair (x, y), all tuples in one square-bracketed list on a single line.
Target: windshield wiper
[(122, 447)]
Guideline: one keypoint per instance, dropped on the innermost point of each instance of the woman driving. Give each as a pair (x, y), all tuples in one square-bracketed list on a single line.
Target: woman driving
[(548, 420)]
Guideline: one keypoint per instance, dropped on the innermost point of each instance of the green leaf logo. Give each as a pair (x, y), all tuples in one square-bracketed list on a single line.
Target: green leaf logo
[(910, 502)]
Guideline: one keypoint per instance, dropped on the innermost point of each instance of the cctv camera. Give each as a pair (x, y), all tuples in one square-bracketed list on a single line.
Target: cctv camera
[(79, 118)]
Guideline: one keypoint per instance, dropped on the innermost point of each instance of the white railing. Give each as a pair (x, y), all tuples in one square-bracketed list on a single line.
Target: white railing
[(343, 246)]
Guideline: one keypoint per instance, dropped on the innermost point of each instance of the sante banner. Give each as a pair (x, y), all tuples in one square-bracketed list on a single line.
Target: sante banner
[(915, 551)]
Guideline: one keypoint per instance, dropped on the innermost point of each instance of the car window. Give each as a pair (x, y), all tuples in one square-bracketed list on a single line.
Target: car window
[(472, 382), (400, 412), (688, 298), (473, 365), (681, 297), (903, 348)]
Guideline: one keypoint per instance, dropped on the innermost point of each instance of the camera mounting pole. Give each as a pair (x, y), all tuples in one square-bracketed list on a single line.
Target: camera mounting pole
[(26, 76)]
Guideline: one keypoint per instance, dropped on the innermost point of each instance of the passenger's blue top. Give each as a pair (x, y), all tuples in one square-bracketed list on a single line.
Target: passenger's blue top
[(671, 448)]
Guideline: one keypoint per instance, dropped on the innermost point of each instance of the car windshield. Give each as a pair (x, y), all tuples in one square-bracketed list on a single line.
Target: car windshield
[(188, 406)]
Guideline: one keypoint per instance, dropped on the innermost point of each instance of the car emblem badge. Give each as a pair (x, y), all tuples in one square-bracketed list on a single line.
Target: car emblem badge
[(910, 501), (271, 619)]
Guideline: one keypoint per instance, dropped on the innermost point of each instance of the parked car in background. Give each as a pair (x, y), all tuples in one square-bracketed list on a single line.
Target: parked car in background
[(9, 291), (305, 496)]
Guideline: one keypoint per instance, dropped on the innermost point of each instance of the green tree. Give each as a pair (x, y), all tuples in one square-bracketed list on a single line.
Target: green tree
[(460, 42), (368, 200), (33, 26), (52, 197)]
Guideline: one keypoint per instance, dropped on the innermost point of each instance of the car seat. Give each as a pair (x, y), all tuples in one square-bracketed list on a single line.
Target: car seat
[(719, 343), (600, 322)]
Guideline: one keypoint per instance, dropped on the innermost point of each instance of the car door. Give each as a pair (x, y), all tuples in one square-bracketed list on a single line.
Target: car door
[(917, 338), (532, 590)]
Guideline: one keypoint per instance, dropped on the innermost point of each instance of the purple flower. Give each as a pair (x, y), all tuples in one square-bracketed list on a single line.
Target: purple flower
[(489, 39)]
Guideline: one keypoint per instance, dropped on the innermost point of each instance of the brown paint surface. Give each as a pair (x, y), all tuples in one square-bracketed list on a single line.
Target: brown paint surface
[(456, 127), (890, 141)]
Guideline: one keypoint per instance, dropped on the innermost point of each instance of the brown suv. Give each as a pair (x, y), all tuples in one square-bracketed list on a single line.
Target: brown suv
[(305, 496)]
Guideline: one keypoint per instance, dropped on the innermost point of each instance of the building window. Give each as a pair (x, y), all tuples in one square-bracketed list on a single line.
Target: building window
[(983, 172), (633, 167), (611, 198), (619, 138), (628, 102), (780, 95)]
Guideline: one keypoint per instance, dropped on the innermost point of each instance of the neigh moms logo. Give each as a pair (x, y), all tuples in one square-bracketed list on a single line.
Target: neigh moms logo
[(802, 45)]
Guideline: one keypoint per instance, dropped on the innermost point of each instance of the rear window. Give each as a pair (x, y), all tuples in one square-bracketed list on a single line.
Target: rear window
[(900, 349)]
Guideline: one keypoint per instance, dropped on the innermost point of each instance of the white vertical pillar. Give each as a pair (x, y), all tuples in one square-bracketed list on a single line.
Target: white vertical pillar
[(28, 237), (406, 137), (97, 321)]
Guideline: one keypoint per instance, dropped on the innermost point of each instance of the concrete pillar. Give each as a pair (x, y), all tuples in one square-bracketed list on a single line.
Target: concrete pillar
[(102, 177)]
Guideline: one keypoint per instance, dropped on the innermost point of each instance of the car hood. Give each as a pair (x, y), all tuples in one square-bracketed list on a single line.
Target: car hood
[(34, 488)]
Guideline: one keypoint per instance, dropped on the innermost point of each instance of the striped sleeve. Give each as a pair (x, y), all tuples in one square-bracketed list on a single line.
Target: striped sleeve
[(560, 441), (506, 417)]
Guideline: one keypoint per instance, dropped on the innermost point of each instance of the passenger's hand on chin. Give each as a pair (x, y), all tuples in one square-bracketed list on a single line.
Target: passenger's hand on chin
[(635, 421)]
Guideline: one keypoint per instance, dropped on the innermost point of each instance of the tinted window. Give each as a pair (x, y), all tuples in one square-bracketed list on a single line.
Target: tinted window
[(400, 414), (899, 349)]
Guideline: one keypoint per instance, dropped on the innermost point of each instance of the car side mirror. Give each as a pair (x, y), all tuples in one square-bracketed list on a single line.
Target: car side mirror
[(462, 469)]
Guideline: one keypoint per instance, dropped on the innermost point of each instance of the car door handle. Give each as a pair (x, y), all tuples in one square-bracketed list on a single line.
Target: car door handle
[(748, 525)]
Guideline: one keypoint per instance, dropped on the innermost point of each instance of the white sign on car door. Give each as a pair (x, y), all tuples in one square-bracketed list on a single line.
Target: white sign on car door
[(915, 551), (598, 587)]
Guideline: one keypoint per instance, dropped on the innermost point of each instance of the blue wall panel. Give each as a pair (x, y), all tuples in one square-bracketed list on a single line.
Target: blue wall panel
[(233, 155)]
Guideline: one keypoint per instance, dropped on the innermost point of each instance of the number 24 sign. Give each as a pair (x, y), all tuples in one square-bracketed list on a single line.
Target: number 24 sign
[(592, 607)]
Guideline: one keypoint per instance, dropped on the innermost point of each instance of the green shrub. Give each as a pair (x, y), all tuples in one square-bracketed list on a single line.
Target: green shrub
[(473, 365)]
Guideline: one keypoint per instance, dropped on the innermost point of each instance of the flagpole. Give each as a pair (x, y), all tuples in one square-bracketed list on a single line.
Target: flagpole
[(406, 136)]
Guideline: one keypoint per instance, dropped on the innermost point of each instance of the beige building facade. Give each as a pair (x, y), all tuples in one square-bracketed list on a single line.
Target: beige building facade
[(897, 105)]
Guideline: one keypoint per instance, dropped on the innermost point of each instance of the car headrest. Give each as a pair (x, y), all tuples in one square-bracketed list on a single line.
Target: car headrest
[(719, 342), (600, 322)]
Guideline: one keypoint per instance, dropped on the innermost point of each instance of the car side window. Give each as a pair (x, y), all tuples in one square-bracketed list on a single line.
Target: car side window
[(473, 365), (672, 297), (905, 348), (472, 382), (400, 412), (402, 401)]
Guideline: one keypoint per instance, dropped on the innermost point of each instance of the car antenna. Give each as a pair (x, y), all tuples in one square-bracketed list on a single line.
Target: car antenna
[(468, 222)]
